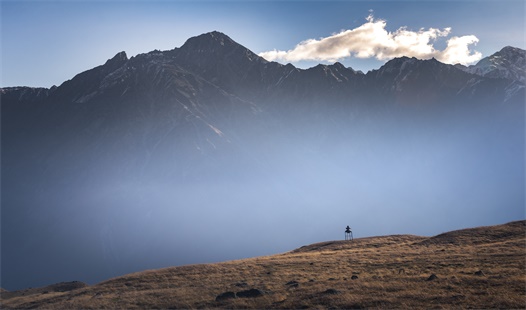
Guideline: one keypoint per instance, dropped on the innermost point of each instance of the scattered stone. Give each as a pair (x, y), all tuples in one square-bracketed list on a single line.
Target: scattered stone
[(225, 295), (479, 273), (332, 279), (311, 264), (311, 280), (331, 291), (253, 292), (354, 277), (432, 277), (278, 303), (292, 284), (241, 284)]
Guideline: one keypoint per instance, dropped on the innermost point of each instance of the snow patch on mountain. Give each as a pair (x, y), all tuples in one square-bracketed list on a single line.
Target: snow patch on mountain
[(508, 63)]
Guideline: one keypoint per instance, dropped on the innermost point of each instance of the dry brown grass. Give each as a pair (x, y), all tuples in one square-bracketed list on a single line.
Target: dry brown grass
[(391, 271)]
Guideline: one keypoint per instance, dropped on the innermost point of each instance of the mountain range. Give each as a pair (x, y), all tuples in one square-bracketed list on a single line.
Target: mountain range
[(218, 90), (177, 129)]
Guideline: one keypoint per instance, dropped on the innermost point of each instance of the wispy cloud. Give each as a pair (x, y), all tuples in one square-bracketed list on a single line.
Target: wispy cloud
[(372, 40)]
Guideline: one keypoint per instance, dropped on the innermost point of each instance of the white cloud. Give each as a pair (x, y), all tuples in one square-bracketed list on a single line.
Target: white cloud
[(457, 49), (372, 40)]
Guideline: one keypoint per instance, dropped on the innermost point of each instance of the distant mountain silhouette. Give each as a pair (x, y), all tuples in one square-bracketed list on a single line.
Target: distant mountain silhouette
[(218, 60)]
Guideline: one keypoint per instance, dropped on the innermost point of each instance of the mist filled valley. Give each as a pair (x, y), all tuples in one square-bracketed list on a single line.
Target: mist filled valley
[(208, 152)]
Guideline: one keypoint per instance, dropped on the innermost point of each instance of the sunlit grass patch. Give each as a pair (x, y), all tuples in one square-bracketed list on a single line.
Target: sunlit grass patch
[(481, 268)]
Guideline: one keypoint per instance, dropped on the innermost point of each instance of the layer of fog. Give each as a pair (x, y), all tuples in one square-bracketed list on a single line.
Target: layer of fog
[(291, 186)]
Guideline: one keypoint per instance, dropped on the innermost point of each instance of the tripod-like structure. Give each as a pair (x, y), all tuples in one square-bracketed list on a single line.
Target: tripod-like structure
[(348, 233)]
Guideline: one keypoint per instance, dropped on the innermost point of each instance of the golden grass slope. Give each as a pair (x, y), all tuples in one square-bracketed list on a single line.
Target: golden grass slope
[(474, 268)]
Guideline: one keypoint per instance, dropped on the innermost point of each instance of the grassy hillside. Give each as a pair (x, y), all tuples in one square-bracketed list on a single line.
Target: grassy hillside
[(481, 267)]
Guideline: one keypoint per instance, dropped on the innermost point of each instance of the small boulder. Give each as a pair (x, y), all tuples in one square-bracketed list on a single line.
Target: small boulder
[(479, 273), (354, 277), (331, 291), (253, 292), (292, 284), (225, 295), (241, 284), (432, 277)]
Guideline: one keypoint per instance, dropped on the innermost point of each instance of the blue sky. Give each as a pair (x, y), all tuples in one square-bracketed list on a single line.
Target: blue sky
[(45, 43)]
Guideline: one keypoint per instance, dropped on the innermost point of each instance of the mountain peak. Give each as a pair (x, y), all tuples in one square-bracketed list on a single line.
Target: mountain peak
[(215, 46), (209, 41), (338, 65), (217, 35), (119, 58), (511, 49), (509, 63)]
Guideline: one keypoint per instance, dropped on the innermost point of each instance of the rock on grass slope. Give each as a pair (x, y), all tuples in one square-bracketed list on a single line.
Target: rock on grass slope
[(481, 267)]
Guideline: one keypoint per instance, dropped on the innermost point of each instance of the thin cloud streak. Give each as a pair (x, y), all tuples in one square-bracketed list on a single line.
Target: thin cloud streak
[(372, 40)]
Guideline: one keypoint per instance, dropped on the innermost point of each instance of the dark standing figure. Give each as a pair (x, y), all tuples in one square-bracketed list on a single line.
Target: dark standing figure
[(348, 233)]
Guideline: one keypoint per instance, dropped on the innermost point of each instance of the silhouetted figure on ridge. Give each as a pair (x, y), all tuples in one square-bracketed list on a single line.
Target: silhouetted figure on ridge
[(348, 233)]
